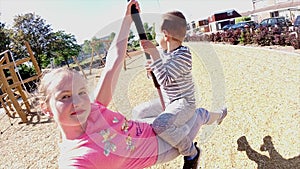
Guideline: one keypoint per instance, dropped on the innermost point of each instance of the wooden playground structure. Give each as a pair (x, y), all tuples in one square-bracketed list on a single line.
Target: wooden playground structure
[(93, 46), (8, 98)]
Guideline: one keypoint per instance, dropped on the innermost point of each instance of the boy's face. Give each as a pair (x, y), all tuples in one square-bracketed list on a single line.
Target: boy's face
[(160, 38), (69, 101)]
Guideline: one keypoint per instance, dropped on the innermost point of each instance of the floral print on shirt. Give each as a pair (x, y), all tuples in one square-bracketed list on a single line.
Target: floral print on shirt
[(108, 145)]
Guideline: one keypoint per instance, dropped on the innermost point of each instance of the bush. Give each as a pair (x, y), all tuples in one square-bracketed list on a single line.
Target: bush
[(243, 18), (262, 36), (25, 73)]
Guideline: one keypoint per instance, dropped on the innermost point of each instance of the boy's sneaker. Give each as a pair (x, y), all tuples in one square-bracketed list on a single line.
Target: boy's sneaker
[(193, 163), (222, 116)]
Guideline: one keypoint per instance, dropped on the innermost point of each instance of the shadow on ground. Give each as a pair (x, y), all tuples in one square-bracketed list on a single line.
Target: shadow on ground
[(274, 161)]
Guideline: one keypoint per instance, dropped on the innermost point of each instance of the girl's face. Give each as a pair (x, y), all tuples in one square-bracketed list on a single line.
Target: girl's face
[(69, 101)]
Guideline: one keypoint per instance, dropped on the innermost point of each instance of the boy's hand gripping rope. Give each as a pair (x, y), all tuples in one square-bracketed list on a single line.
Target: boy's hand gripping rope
[(142, 35)]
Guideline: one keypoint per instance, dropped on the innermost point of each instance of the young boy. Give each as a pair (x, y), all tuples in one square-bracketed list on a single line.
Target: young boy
[(173, 72)]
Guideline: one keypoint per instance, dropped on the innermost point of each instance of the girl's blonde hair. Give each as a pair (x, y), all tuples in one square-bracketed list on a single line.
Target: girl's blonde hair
[(49, 77)]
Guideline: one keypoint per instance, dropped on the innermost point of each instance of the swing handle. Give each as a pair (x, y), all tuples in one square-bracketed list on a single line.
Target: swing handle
[(139, 25)]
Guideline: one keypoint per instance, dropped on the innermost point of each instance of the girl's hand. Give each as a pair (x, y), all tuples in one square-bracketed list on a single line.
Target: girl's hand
[(130, 3)]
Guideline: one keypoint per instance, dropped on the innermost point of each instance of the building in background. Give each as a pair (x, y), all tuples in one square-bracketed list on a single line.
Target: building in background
[(262, 9), (200, 25), (218, 20), (214, 23)]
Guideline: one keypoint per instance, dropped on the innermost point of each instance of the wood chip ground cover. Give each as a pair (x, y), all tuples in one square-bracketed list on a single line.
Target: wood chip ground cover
[(260, 87)]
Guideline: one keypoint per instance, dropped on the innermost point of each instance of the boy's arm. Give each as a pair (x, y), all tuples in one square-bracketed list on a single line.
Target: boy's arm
[(166, 73), (151, 49), (108, 81)]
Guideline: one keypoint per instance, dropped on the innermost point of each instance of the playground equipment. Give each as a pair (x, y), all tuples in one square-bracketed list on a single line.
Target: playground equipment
[(77, 63), (17, 88), (124, 62), (93, 46)]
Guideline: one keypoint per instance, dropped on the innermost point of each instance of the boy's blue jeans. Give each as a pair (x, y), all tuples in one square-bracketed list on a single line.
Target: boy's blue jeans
[(171, 124)]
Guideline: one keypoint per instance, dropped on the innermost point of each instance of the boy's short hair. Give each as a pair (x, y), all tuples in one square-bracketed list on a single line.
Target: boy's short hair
[(175, 23)]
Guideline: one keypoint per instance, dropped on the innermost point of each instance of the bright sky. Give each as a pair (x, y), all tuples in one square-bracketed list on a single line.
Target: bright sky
[(84, 18)]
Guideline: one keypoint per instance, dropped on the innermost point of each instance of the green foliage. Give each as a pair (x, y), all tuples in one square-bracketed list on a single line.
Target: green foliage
[(153, 32), (4, 36), (134, 43), (86, 47), (242, 38), (242, 19), (131, 41), (63, 47), (150, 31), (27, 72), (99, 44), (262, 36), (112, 36), (45, 61), (31, 28), (44, 43)]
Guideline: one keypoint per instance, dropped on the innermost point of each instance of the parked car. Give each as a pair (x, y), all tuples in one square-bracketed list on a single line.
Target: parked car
[(226, 27), (289, 23), (243, 25), (297, 22), (274, 22)]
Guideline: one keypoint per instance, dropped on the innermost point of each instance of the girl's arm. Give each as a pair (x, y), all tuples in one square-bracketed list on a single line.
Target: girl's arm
[(108, 81)]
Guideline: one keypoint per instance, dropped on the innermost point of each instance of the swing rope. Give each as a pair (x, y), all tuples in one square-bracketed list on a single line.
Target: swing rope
[(142, 35), (17, 71)]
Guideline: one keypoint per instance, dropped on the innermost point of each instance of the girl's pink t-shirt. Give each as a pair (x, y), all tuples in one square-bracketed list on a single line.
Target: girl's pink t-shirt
[(110, 142)]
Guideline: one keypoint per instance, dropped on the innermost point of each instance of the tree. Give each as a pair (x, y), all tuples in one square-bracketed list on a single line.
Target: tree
[(31, 28), (132, 44), (112, 36), (86, 47), (44, 43), (110, 39), (242, 19), (153, 32), (150, 33), (63, 47), (97, 44), (4, 37)]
